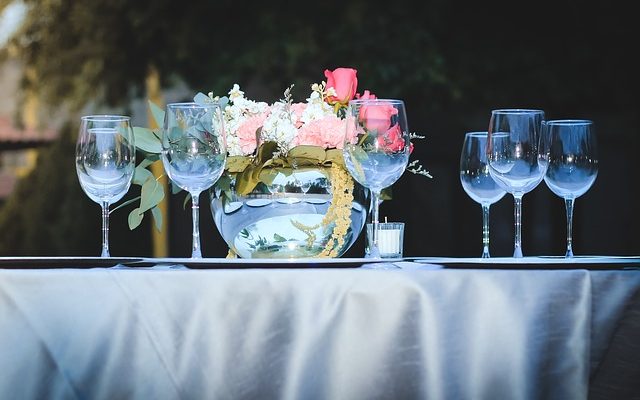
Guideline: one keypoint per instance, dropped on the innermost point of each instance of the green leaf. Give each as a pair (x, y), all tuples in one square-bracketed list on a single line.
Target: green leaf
[(224, 183), (151, 195), (278, 238), (309, 152), (141, 175), (124, 204), (265, 152), (268, 175), (156, 213), (175, 188), (335, 156), (146, 162), (146, 140), (157, 113), (201, 98), (245, 181), (386, 194), (135, 218), (186, 200), (223, 101), (237, 163)]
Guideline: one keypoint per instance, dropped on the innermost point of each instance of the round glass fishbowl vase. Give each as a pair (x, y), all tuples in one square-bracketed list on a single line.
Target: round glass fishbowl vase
[(304, 212)]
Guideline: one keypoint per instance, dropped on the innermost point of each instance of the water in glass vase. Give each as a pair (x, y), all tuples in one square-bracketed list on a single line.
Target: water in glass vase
[(296, 215)]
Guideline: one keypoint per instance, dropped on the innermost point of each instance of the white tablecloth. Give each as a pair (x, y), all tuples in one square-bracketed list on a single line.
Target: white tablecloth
[(306, 333)]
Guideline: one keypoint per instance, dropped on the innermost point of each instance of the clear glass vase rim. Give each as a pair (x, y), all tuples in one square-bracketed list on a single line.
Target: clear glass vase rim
[(192, 104), (570, 122), (517, 111), (106, 117)]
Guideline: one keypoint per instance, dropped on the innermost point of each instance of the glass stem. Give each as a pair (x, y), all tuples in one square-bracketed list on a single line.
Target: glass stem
[(105, 230), (375, 211), (195, 211), (569, 206), (485, 231), (517, 214)]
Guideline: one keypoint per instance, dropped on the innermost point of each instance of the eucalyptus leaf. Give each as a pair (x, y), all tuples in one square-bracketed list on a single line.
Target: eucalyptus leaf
[(224, 183), (175, 188), (146, 140), (156, 213), (223, 101), (202, 99), (135, 218), (152, 194), (187, 199), (124, 204), (175, 133), (145, 163), (140, 175), (157, 113), (278, 238)]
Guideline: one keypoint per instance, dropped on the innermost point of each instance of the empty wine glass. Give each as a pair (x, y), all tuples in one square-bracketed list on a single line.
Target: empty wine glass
[(516, 163), (376, 149), (194, 153), (476, 179), (105, 161), (572, 157)]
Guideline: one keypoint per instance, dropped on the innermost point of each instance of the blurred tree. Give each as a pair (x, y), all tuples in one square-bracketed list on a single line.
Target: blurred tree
[(49, 215), (108, 52), (450, 61)]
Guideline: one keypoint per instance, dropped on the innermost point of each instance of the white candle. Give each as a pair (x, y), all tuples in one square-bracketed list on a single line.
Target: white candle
[(389, 241)]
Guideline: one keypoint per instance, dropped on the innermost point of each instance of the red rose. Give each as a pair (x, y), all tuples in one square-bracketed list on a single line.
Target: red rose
[(345, 83)]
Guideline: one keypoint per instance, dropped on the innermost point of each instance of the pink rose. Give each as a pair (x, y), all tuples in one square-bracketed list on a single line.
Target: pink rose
[(344, 81), (392, 140), (366, 96), (377, 117), (247, 132)]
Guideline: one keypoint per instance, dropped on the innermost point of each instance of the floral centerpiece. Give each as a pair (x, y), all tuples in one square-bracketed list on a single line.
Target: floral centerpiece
[(285, 191)]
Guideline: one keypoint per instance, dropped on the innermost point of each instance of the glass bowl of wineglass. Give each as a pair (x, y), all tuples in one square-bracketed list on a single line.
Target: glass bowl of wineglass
[(194, 153), (376, 149), (105, 162), (572, 163), (476, 179), (516, 163)]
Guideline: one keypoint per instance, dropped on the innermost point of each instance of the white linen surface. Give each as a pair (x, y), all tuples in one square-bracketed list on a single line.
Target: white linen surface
[(306, 334)]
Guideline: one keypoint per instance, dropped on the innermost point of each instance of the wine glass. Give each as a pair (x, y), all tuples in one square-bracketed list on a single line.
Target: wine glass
[(517, 163), (376, 149), (194, 153), (105, 161), (476, 179), (572, 157)]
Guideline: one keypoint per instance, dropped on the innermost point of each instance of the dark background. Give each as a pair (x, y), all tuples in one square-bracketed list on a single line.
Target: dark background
[(452, 63)]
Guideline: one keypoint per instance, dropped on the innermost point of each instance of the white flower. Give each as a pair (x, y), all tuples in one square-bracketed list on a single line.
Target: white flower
[(235, 92), (316, 108), (279, 126)]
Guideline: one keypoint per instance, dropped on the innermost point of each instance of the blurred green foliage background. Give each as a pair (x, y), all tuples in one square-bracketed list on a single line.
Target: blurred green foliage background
[(451, 61)]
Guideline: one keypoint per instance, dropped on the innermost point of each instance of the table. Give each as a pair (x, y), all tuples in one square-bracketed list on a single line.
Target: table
[(422, 331)]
